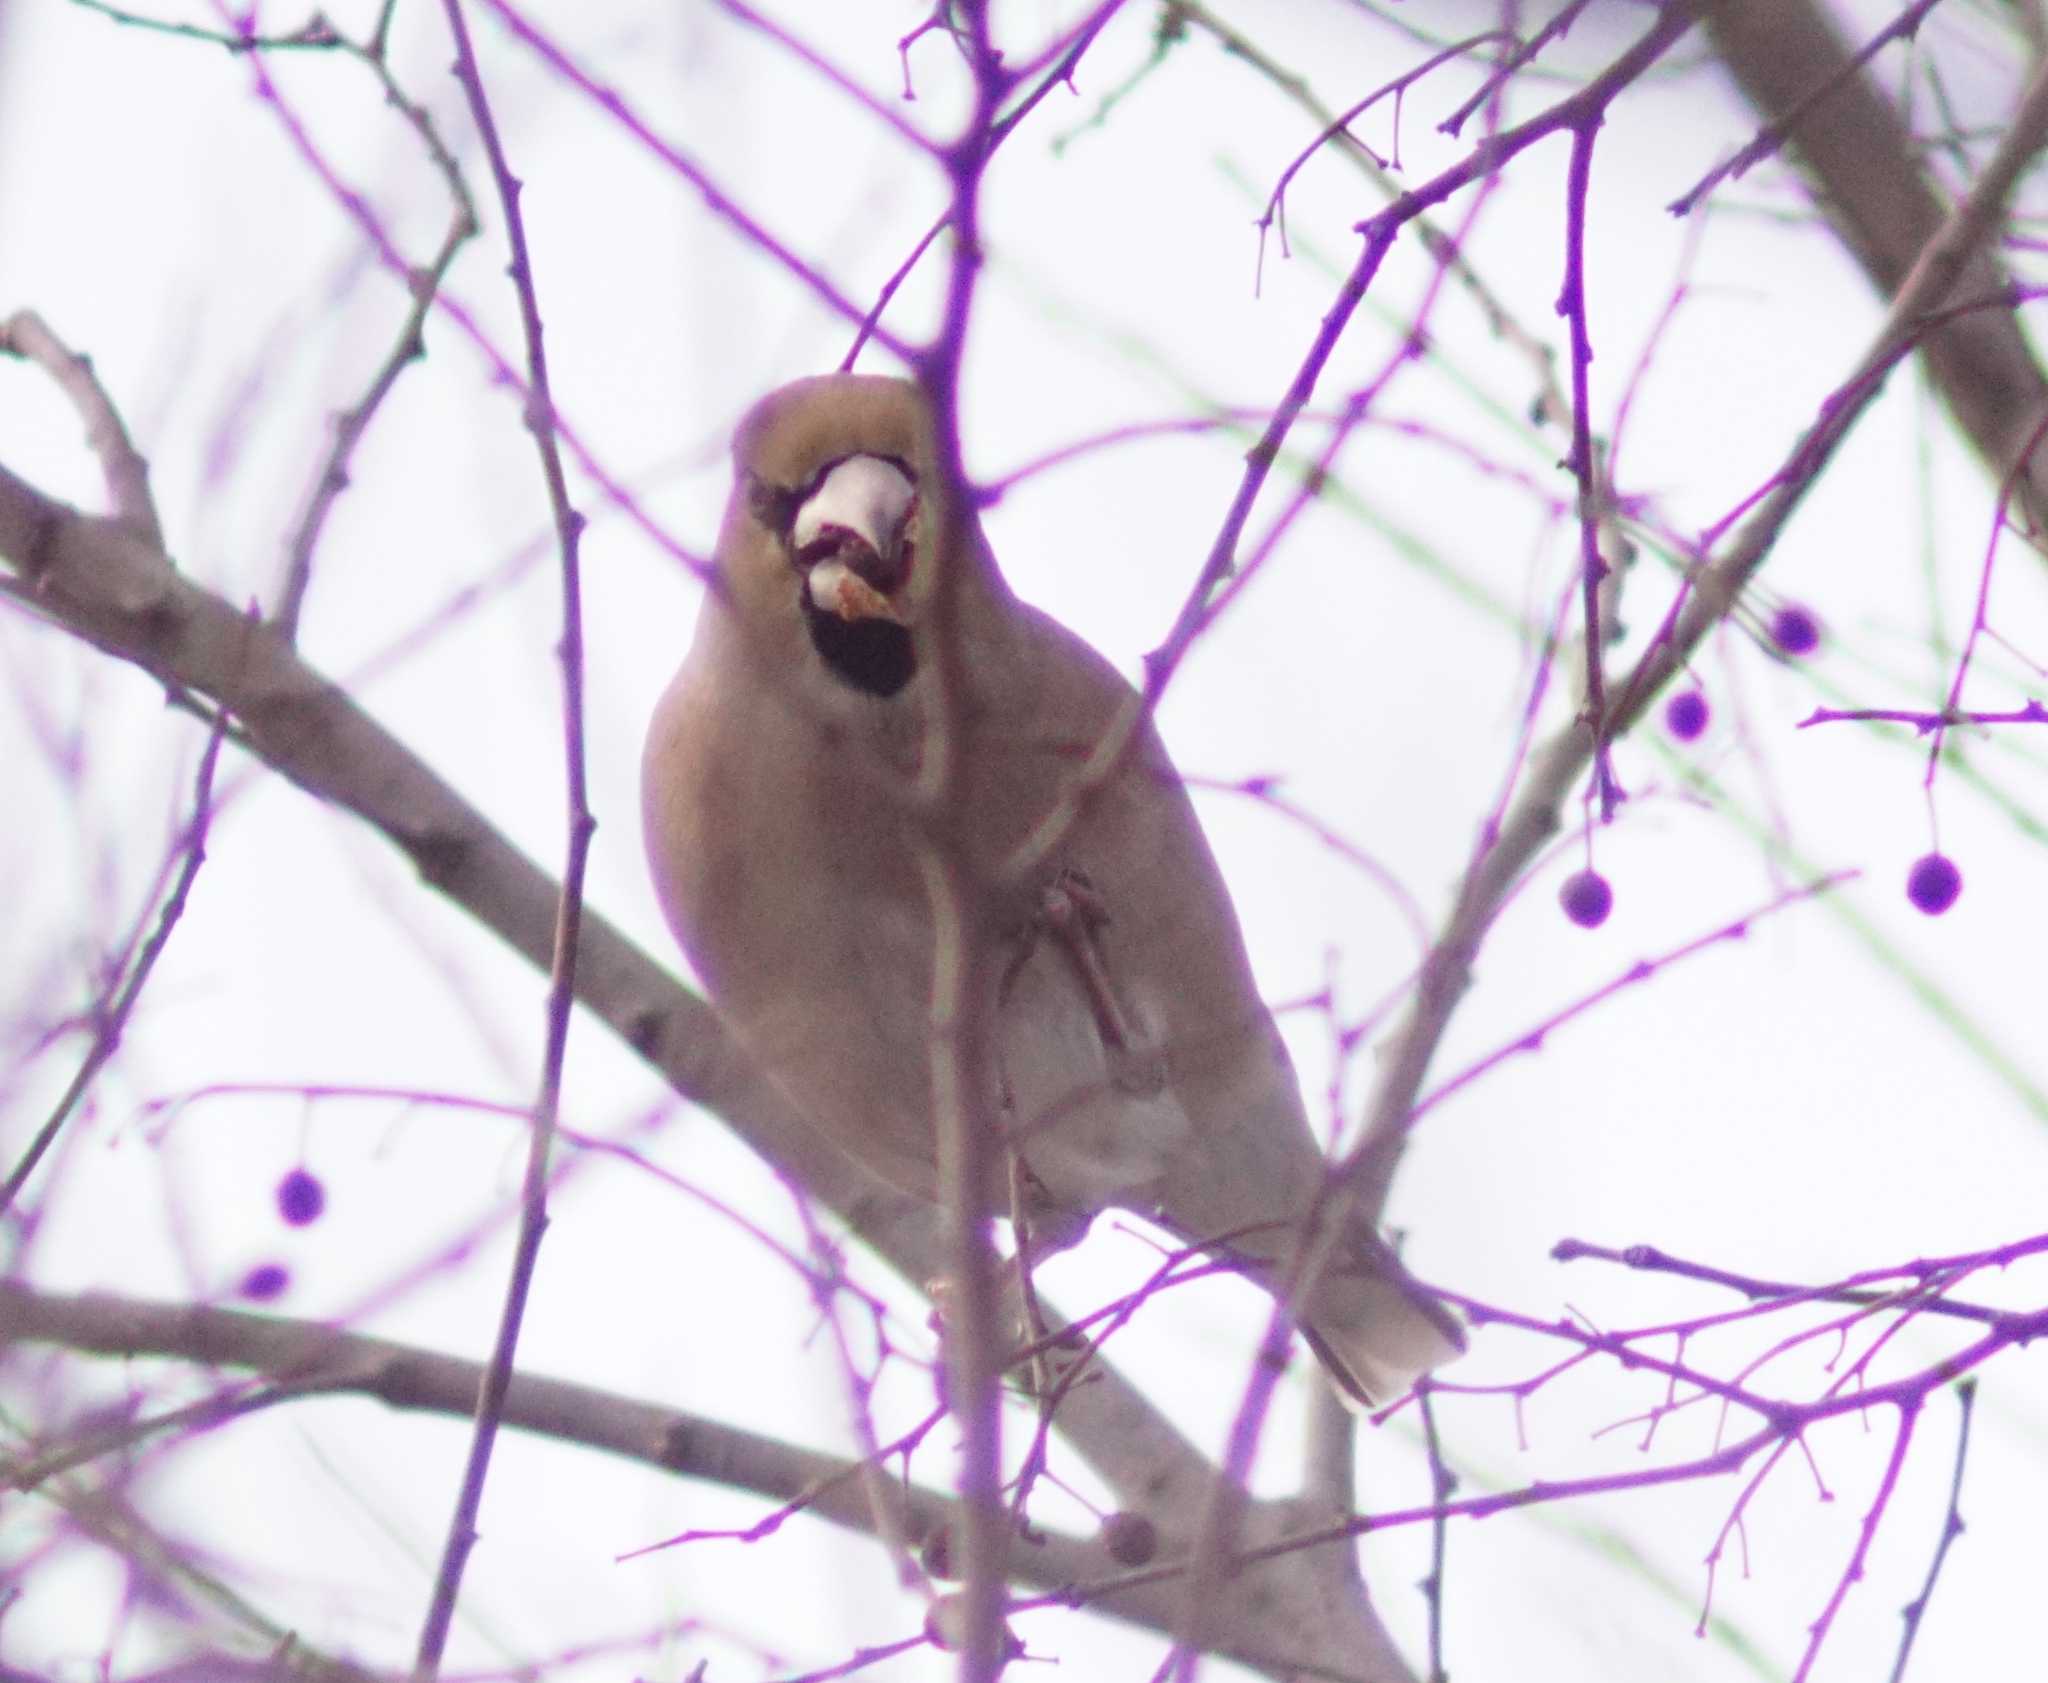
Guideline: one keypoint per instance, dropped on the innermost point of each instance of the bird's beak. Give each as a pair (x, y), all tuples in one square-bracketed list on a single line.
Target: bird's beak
[(853, 539)]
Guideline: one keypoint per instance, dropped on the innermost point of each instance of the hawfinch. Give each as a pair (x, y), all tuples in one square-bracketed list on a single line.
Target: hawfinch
[(1131, 1062)]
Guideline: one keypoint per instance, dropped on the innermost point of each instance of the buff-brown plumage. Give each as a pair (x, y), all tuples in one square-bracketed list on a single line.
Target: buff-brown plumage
[(784, 839)]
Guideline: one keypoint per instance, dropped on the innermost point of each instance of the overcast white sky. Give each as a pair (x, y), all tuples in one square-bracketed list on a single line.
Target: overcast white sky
[(1797, 1104)]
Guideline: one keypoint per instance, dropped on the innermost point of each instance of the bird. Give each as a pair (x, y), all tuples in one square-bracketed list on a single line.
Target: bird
[(854, 616)]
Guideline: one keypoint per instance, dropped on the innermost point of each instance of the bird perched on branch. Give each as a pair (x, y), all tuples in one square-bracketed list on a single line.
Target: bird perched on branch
[(865, 696)]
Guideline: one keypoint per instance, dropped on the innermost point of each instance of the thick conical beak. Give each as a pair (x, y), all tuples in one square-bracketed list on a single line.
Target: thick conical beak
[(852, 538)]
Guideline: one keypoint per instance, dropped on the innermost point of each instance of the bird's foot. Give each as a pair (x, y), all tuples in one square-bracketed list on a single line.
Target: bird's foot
[(1073, 911)]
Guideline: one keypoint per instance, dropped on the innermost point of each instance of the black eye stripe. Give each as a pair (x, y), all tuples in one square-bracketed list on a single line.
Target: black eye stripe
[(773, 506)]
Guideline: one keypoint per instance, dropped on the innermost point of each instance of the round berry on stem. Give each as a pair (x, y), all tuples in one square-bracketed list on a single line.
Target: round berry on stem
[(301, 1198), (1132, 1539), (267, 1280), (1587, 898), (1686, 715), (1795, 630), (1933, 883)]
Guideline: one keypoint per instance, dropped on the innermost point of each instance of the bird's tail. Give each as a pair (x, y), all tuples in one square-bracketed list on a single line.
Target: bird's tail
[(1374, 1325)]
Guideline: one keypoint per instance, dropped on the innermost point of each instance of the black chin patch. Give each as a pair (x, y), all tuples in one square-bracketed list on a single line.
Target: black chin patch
[(874, 656)]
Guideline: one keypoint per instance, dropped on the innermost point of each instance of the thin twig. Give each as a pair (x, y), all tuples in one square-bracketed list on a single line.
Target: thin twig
[(409, 346), (1873, 190), (608, 100), (960, 1039), (1274, 216), (804, 52), (1593, 568), (533, 1221), (1442, 1485), (111, 1019), (26, 334), (1769, 139), (27, 1472), (1000, 130), (1951, 1528), (1441, 247), (315, 33), (1512, 64)]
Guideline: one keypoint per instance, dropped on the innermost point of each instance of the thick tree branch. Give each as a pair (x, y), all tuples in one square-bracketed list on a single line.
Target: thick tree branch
[(1866, 172), (1273, 1621)]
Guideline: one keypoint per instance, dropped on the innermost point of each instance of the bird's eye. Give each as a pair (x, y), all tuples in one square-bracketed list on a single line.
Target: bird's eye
[(773, 506)]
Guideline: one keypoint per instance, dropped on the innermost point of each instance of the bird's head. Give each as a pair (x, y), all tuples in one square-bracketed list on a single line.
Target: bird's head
[(837, 519)]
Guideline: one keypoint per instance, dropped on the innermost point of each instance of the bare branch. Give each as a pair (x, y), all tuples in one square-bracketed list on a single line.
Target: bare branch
[(314, 1359), (1875, 195), (110, 1018), (26, 334), (533, 1202)]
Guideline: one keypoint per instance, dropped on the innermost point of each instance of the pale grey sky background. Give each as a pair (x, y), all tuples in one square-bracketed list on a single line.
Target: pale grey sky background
[(1791, 1105)]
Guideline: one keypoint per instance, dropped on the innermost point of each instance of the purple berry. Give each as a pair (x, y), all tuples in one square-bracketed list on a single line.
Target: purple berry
[(1685, 715), (300, 1198), (265, 1281), (1795, 630), (1933, 883), (1132, 1539), (1587, 898)]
